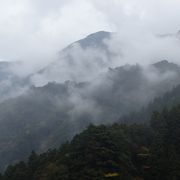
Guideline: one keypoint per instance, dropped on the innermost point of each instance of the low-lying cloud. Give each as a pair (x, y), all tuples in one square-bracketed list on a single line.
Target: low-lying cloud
[(34, 30)]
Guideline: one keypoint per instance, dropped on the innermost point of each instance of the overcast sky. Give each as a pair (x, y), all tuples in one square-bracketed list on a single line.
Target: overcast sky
[(37, 29)]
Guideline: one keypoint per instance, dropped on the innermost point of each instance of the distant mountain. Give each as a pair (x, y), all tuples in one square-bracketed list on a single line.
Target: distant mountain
[(76, 90), (165, 66), (78, 60), (93, 40), (44, 117), (85, 59), (170, 35), (167, 100), (118, 151)]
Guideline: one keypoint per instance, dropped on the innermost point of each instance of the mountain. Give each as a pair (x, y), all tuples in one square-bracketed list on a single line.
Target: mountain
[(169, 35), (167, 100), (45, 117), (111, 152), (87, 58), (97, 152), (80, 61), (164, 66), (96, 40), (76, 90)]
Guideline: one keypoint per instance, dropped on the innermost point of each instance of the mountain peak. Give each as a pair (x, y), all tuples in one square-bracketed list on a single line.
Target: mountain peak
[(163, 62), (165, 65), (99, 34), (93, 40)]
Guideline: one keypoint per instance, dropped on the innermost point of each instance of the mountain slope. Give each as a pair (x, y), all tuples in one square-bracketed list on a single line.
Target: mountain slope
[(80, 61), (48, 116), (96, 40), (111, 152), (167, 100)]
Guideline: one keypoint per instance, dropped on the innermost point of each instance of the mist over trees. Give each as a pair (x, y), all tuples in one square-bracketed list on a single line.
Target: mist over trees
[(43, 117), (115, 151), (89, 90)]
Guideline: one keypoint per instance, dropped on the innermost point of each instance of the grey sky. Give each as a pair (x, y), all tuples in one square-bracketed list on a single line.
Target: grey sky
[(37, 29)]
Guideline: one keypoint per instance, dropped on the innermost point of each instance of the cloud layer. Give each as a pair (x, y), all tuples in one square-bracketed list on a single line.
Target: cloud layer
[(34, 30)]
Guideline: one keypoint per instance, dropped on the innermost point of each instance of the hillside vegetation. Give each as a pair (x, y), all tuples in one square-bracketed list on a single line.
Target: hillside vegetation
[(116, 151)]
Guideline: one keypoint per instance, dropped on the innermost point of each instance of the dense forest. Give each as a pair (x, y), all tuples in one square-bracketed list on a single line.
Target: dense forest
[(89, 90), (168, 100), (52, 114), (119, 151), (53, 103)]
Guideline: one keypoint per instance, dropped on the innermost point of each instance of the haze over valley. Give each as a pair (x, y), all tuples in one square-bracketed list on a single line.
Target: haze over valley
[(76, 75)]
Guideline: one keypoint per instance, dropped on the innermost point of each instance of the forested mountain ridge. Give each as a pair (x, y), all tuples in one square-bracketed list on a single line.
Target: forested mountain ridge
[(111, 152), (167, 100), (46, 116), (89, 90), (93, 40), (54, 113), (75, 60)]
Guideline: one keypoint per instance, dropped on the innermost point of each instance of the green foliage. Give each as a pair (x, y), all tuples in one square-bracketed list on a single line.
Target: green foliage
[(118, 151), (168, 100), (100, 152), (166, 149)]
